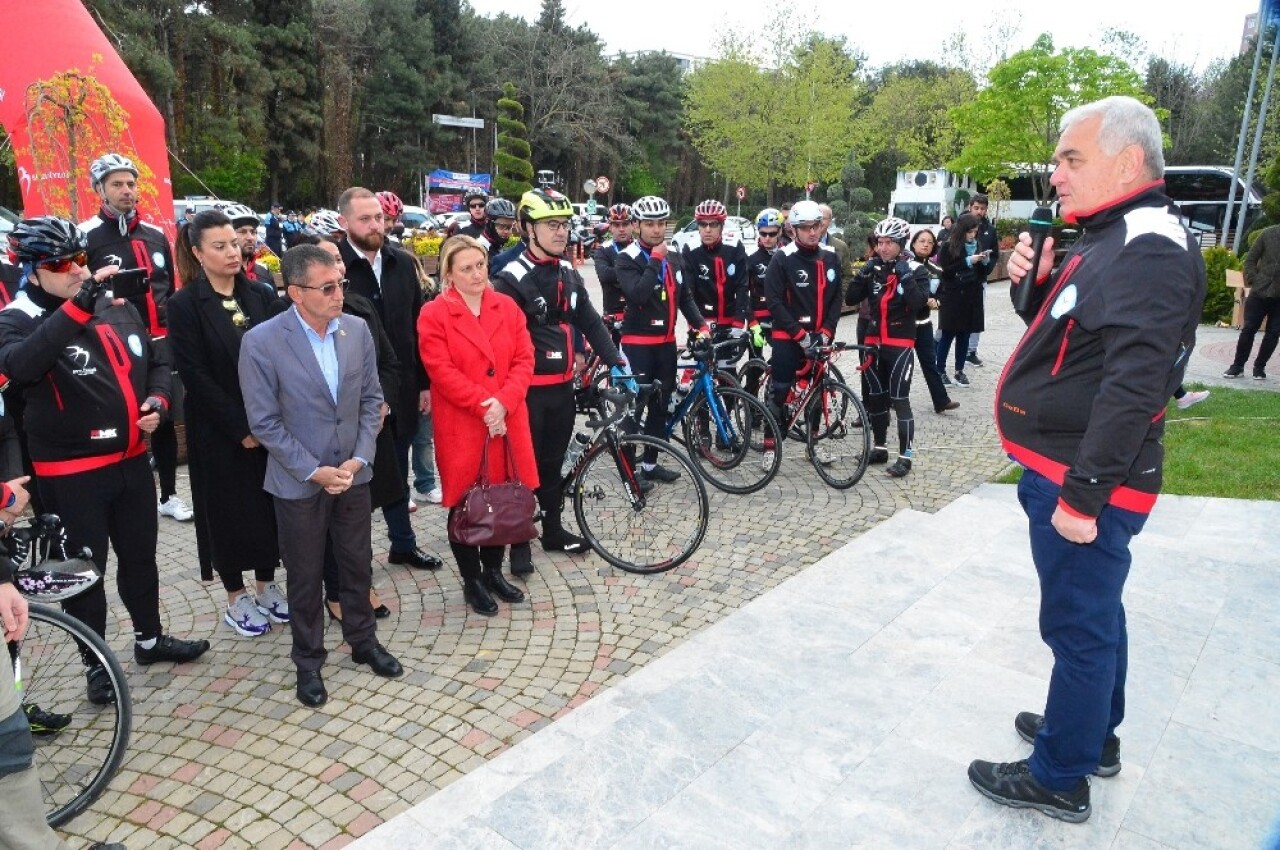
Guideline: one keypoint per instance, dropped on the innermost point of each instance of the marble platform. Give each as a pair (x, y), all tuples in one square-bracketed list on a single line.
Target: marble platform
[(841, 708)]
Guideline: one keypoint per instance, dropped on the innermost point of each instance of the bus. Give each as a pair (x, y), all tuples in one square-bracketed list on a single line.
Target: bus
[(921, 197)]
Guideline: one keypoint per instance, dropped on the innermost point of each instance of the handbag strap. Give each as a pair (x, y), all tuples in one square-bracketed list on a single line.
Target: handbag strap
[(482, 480)]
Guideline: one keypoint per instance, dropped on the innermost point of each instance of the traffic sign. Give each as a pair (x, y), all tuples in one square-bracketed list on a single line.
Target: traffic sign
[(591, 205), (603, 184), (589, 186), (742, 193)]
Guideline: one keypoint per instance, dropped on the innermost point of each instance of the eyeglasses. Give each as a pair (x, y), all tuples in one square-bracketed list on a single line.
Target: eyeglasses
[(556, 226), (711, 224), (329, 288), (476, 206), (62, 265), (768, 234)]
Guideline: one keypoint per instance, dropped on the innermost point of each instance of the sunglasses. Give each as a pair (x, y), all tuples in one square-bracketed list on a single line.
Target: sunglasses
[(329, 288), (768, 234), (711, 224), (476, 206), (62, 265)]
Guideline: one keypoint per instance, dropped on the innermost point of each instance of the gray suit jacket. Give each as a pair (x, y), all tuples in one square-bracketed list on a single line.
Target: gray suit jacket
[(290, 409)]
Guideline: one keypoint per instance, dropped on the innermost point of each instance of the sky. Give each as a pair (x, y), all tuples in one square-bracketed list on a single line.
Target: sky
[(1183, 35)]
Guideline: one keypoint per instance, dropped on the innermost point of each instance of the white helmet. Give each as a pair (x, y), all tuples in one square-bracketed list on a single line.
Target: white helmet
[(805, 212), (240, 215), (894, 228), (325, 222), (106, 164), (651, 208)]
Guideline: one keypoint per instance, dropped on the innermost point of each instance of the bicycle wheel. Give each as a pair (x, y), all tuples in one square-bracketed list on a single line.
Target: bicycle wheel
[(746, 454), (838, 435), (76, 762), (640, 532), (753, 376)]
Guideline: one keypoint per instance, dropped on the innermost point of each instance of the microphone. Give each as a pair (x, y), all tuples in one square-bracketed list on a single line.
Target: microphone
[(1039, 226)]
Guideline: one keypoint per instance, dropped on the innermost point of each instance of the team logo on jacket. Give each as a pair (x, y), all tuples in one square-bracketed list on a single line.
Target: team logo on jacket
[(114, 260), (831, 275), (703, 271), (679, 277), (729, 270), (1065, 301), (554, 355), (760, 269), (103, 434), (802, 277), (80, 357), (135, 345), (157, 260)]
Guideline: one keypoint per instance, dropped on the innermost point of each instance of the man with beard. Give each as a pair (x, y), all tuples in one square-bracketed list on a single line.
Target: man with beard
[(117, 236), (386, 276), (245, 223)]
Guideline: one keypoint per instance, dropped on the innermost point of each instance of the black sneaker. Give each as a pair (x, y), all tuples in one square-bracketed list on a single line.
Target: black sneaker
[(45, 723), (1259, 375), (900, 468), (661, 473), (564, 542), (1233, 372), (961, 380), (946, 381), (972, 357), (878, 455), (1028, 724), (1011, 784), (170, 648), (99, 686)]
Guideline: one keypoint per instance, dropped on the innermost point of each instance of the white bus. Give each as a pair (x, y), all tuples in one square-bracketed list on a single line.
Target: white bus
[(922, 197)]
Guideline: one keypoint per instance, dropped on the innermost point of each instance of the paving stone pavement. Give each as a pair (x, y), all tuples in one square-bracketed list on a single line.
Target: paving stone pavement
[(223, 755)]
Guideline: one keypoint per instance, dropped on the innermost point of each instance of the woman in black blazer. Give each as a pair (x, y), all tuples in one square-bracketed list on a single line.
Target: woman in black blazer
[(235, 520)]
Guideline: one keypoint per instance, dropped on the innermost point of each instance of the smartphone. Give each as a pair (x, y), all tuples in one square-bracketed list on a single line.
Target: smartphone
[(131, 283)]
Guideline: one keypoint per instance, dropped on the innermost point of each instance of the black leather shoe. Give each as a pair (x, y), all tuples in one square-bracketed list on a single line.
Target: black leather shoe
[(477, 596), (415, 558), (661, 474), (521, 560), (501, 588), (170, 648), (379, 660), (311, 692), (878, 455)]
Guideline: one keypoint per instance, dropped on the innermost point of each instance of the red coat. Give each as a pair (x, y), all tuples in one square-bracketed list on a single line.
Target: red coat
[(472, 358)]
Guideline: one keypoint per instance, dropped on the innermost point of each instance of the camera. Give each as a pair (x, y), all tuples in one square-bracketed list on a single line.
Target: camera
[(131, 283)]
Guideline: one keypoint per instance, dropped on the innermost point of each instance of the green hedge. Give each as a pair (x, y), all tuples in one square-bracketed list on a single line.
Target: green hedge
[(1219, 298)]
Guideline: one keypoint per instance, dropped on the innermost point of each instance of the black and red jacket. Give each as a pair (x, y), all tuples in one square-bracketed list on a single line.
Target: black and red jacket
[(802, 289), (83, 378), (1082, 398), (567, 307), (895, 292), (606, 258), (757, 265), (653, 289), (721, 286), (144, 246)]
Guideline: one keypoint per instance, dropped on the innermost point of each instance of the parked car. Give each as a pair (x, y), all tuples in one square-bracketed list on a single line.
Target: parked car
[(445, 219), (743, 228)]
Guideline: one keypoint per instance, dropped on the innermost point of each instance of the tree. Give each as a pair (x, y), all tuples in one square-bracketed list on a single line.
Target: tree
[(512, 157), (1012, 125), (651, 89), (552, 18), (286, 42)]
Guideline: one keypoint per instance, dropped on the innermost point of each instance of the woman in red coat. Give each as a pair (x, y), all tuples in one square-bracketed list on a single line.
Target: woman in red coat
[(475, 345)]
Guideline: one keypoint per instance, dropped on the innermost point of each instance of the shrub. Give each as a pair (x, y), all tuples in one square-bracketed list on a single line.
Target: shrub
[(1219, 298)]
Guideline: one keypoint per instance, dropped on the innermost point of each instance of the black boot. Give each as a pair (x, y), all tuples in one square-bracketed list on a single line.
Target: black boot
[(521, 560), (477, 596), (497, 583)]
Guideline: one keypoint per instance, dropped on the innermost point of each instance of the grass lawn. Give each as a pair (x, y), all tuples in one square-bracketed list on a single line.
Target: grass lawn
[(1227, 446)]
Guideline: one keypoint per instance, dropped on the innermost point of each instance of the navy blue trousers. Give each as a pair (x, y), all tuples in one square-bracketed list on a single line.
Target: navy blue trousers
[(1082, 621)]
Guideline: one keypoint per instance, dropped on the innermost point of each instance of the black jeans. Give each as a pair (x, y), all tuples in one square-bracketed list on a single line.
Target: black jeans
[(927, 354), (654, 363), (1255, 310)]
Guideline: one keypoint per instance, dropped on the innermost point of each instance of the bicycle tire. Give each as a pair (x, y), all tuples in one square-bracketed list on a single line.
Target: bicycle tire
[(755, 369), (644, 534), (838, 435), (753, 454), (75, 764)]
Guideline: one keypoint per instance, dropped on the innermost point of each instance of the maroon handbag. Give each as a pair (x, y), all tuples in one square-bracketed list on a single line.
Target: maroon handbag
[(494, 514)]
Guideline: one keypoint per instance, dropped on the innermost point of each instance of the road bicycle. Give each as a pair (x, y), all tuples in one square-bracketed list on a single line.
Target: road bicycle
[(79, 745), (634, 523)]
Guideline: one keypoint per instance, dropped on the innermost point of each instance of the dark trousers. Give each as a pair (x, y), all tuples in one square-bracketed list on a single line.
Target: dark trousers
[(399, 528), (115, 504), (305, 525), (889, 383), (551, 418), (927, 354), (654, 363), (1082, 621), (1255, 310), (944, 346), (164, 448)]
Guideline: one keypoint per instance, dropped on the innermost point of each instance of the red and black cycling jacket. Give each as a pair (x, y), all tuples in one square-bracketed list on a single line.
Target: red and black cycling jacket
[(654, 289), (606, 257), (144, 246), (1082, 398), (757, 265), (802, 289), (84, 378), (895, 291), (554, 280), (721, 285)]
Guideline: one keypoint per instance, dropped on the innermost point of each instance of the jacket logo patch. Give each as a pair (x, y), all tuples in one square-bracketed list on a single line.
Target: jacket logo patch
[(703, 271), (831, 274), (1065, 301), (679, 277), (802, 277), (803, 319), (103, 434), (80, 357), (114, 260), (135, 345), (554, 355), (657, 323), (157, 259), (729, 270), (760, 269)]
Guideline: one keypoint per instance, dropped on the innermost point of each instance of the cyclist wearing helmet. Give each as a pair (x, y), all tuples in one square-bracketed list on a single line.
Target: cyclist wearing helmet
[(802, 290), (896, 287), (325, 224), (392, 209), (768, 232), (500, 219), (475, 201), (118, 236), (717, 268), (93, 383), (245, 223), (654, 284), (622, 228), (555, 302)]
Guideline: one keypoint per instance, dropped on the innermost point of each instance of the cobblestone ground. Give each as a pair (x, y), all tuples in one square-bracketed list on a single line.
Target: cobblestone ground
[(224, 756)]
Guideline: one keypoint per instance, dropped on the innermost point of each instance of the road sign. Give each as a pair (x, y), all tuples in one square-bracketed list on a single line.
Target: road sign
[(457, 121), (591, 205), (742, 193), (603, 184), (589, 186)]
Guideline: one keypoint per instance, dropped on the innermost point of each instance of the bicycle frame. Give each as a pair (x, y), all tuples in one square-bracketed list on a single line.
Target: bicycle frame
[(704, 385)]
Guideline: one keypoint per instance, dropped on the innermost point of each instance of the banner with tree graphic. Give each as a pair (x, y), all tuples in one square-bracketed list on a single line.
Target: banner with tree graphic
[(64, 102)]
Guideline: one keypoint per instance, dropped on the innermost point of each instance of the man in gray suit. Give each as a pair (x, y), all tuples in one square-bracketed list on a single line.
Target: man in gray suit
[(311, 391)]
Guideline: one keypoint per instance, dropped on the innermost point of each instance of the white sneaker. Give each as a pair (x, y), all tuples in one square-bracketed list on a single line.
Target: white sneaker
[(176, 508), (824, 456), (1191, 399), (243, 616), (436, 496), (766, 460), (413, 505), (273, 604)]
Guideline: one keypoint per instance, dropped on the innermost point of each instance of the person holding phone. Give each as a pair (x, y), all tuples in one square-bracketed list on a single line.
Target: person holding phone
[(960, 310)]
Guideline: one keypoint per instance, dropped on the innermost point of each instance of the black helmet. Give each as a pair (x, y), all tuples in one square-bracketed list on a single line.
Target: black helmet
[(474, 195), (34, 240)]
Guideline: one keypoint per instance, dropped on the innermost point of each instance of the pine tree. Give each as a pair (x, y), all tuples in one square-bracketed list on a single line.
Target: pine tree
[(515, 168)]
